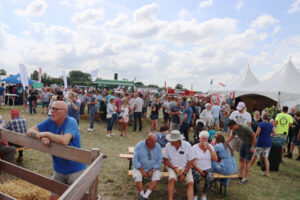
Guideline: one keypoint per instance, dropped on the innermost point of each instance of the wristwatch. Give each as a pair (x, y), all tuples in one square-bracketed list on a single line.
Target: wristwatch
[(184, 174)]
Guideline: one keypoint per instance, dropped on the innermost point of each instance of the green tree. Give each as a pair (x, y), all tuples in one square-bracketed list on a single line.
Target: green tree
[(139, 84), (179, 86), (34, 75), (79, 77), (153, 86), (2, 72)]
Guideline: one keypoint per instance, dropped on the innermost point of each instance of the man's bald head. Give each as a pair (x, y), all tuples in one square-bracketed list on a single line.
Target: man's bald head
[(59, 111), (151, 140), (60, 104)]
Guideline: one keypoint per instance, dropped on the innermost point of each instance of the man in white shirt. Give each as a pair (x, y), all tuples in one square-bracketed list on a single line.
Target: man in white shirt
[(137, 111), (240, 116), (179, 157)]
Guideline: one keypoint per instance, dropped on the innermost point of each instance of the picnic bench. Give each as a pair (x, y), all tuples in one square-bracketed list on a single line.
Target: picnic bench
[(223, 180)]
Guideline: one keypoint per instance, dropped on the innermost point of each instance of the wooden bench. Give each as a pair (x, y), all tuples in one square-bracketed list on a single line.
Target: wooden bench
[(131, 150), (21, 148), (222, 179)]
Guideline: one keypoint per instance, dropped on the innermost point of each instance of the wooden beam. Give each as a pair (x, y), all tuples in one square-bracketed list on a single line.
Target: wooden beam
[(84, 181), (6, 197), (34, 178), (93, 190), (67, 152)]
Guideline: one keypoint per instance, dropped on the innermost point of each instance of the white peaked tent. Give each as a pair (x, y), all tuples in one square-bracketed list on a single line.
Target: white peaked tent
[(283, 86), (245, 80)]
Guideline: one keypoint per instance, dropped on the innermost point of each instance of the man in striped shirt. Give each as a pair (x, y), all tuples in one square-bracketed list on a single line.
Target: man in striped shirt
[(17, 124)]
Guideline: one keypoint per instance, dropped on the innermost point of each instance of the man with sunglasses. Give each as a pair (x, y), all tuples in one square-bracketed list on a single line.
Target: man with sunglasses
[(147, 160), (63, 130)]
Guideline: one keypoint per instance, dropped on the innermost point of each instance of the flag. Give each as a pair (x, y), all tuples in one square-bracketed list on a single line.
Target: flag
[(65, 79), (40, 75), (231, 96), (222, 84), (211, 81), (94, 73), (23, 75), (165, 87)]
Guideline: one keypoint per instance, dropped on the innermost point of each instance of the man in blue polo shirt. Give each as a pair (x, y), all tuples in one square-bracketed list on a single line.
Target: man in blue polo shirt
[(64, 130), (185, 121)]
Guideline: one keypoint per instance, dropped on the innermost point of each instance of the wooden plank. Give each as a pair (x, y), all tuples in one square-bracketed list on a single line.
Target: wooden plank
[(6, 197), (126, 156), (34, 178), (216, 175), (67, 152), (21, 148), (78, 188), (93, 190)]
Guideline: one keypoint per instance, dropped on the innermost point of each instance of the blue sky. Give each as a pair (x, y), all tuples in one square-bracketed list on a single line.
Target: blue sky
[(186, 42)]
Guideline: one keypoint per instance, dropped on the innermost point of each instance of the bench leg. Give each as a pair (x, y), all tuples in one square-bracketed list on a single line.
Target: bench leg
[(221, 187), (225, 186), (130, 164)]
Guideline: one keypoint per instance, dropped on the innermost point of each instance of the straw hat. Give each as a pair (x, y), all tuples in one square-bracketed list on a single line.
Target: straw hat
[(174, 136)]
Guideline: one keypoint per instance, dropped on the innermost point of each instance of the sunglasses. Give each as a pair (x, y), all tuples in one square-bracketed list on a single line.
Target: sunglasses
[(56, 109)]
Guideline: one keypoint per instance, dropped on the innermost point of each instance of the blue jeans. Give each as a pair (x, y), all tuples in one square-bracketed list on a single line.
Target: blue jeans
[(31, 107), (82, 108), (92, 112), (184, 130), (110, 122), (209, 179), (137, 116), (225, 124)]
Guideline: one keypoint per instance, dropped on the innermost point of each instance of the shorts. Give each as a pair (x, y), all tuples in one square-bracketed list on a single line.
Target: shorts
[(235, 144), (124, 119), (262, 151), (217, 120), (144, 110), (45, 104), (1, 98), (156, 176), (245, 152), (295, 141), (66, 178), (153, 117), (283, 135), (188, 178), (166, 116)]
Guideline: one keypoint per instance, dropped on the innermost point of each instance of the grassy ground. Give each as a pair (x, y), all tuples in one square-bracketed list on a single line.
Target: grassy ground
[(114, 182)]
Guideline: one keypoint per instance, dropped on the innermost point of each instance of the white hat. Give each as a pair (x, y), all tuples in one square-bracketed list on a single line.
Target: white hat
[(241, 106), (174, 136)]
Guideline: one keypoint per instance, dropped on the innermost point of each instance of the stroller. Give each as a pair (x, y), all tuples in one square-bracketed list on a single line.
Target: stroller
[(200, 124)]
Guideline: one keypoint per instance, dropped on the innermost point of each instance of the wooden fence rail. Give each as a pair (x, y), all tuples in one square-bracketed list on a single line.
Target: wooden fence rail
[(88, 181)]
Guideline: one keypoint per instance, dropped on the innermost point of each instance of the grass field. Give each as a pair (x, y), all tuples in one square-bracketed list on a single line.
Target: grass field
[(115, 184)]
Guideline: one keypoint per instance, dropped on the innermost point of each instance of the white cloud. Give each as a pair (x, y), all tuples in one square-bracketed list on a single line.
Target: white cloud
[(88, 16), (35, 8), (118, 22), (276, 30), (239, 5), (183, 14), (190, 32), (263, 21), (295, 7), (146, 13), (205, 3)]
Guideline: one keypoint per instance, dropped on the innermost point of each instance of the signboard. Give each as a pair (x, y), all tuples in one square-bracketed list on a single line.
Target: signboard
[(38, 85)]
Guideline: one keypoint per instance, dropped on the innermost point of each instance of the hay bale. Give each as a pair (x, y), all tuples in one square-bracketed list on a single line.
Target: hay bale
[(23, 190)]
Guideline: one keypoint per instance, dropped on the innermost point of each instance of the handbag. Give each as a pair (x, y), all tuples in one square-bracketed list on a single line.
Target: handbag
[(108, 116)]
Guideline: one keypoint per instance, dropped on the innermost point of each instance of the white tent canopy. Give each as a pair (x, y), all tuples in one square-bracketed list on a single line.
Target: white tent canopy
[(245, 80), (283, 86)]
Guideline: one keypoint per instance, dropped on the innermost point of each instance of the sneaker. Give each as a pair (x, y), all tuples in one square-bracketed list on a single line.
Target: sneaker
[(298, 158), (108, 135), (112, 134), (195, 197), (90, 130), (203, 197), (141, 197), (244, 181)]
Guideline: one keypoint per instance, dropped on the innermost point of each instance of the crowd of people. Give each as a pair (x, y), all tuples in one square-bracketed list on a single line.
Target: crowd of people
[(185, 160)]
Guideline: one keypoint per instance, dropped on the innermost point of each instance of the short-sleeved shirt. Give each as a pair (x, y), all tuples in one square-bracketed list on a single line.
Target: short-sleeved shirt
[(82, 98), (189, 112), (72, 112), (215, 111), (241, 118), (264, 138), (180, 157), (70, 126), (175, 118), (283, 124), (91, 106), (46, 96), (139, 104), (245, 133), (203, 159)]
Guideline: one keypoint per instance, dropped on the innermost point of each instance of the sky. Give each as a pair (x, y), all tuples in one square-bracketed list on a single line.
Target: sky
[(188, 42)]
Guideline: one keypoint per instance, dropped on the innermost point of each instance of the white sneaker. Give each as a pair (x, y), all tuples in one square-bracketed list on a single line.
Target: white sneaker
[(108, 135), (203, 197), (112, 134), (90, 130), (195, 197)]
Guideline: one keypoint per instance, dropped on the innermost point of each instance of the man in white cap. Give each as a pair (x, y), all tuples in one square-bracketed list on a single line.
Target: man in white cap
[(240, 116), (179, 158)]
